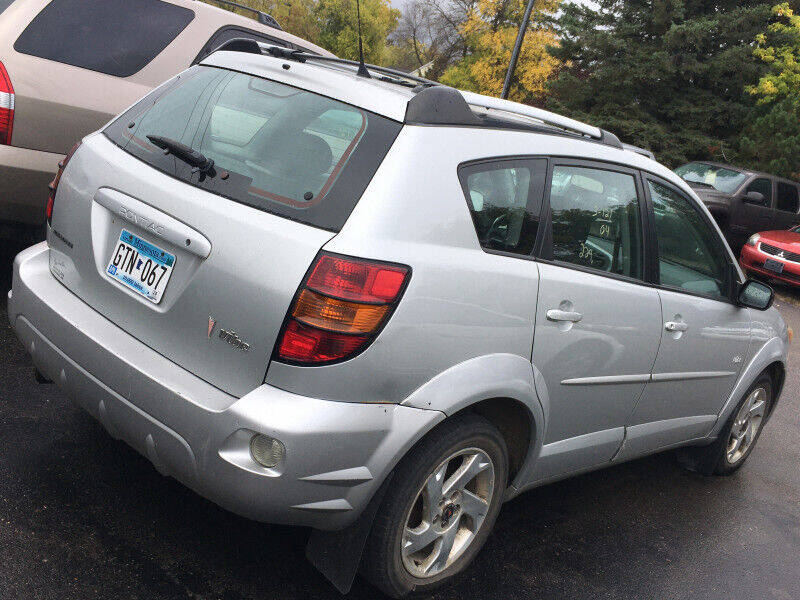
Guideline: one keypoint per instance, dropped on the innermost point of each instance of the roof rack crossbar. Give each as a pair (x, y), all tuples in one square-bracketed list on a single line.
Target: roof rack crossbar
[(261, 17), (545, 116), (256, 47)]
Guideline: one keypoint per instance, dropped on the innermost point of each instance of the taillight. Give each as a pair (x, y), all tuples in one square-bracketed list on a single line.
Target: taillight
[(342, 305), (6, 107), (53, 187)]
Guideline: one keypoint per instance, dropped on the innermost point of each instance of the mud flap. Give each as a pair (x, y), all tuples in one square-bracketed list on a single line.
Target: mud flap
[(337, 554)]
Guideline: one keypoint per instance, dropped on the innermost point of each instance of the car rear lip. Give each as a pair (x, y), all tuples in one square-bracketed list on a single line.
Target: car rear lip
[(337, 453)]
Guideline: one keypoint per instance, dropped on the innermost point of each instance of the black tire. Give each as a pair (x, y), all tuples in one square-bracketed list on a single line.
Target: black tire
[(383, 563), (713, 459)]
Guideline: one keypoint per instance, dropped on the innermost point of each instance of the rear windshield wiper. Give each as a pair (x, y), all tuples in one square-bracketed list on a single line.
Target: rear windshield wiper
[(200, 164)]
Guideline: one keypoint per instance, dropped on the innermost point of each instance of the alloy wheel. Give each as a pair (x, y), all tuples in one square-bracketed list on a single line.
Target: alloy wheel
[(447, 512), (746, 425)]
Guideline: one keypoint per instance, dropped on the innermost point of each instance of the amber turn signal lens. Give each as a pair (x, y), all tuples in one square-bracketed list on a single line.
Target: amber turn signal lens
[(337, 315), (791, 334)]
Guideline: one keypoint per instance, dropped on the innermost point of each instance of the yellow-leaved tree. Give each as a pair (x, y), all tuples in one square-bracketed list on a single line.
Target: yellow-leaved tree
[(490, 31)]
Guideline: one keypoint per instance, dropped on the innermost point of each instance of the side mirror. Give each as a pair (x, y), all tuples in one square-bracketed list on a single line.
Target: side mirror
[(754, 294), (753, 197)]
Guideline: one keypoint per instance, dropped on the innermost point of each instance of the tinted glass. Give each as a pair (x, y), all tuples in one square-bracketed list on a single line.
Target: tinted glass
[(505, 200), (4, 4), (713, 177), (116, 37), (763, 186), (788, 200), (595, 218), (690, 254), (284, 150)]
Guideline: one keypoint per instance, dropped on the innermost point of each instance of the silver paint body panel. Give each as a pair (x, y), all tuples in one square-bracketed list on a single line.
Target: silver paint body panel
[(471, 326)]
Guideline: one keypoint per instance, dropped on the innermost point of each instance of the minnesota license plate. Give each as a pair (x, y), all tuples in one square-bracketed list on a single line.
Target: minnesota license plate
[(140, 266), (773, 265)]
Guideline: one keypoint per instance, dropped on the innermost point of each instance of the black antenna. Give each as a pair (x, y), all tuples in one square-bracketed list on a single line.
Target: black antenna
[(362, 68)]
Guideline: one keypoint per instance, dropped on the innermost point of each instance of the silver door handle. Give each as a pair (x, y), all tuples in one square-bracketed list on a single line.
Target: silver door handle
[(674, 326), (555, 314)]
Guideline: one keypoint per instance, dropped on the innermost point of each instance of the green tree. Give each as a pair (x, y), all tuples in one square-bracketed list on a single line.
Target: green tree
[(669, 75), (489, 33), (338, 29), (772, 143)]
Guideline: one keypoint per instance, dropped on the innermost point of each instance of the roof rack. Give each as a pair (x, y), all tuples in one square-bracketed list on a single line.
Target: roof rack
[(255, 47), (638, 150), (541, 115), (434, 103), (261, 17)]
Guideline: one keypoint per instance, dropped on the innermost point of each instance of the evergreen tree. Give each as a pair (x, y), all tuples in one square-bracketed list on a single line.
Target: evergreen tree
[(668, 75)]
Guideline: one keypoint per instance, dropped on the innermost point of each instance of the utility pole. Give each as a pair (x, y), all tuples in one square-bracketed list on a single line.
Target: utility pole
[(517, 46)]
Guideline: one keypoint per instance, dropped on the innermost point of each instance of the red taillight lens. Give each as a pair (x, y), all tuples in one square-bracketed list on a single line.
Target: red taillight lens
[(341, 307), (360, 281), (53, 187), (6, 106)]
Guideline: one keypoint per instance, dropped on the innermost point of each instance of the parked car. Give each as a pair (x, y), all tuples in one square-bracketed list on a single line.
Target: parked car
[(744, 202), (382, 307), (68, 66), (774, 254)]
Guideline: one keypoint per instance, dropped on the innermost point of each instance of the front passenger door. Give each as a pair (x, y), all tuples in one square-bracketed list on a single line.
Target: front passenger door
[(598, 324), (704, 336)]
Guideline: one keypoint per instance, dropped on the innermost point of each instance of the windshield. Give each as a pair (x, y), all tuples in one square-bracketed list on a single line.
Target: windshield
[(710, 176), (275, 147)]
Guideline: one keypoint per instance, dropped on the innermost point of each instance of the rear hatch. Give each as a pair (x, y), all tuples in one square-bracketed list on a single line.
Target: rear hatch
[(201, 265)]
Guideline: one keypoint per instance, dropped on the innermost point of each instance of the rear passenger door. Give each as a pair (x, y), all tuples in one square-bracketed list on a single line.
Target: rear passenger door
[(597, 324), (704, 336), (786, 206)]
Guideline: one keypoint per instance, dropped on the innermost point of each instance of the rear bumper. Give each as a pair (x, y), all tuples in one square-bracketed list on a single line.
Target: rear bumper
[(337, 453), (752, 260), (24, 176)]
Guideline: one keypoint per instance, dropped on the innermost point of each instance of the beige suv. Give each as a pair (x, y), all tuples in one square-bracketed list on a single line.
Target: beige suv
[(68, 66)]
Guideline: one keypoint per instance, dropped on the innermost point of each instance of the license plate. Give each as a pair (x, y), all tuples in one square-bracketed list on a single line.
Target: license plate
[(773, 265), (140, 266)]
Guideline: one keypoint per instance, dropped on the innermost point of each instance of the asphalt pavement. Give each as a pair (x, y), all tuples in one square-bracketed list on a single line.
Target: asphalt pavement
[(83, 516)]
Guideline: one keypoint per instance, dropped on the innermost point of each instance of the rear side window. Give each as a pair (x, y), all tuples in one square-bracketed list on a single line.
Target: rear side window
[(275, 147), (595, 220), (4, 4), (115, 37), (788, 200), (505, 198)]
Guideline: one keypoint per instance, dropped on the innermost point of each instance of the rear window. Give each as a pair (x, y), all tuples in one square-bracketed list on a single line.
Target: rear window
[(277, 148), (115, 37)]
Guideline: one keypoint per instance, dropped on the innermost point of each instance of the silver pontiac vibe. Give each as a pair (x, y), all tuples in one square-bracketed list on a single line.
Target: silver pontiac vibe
[(327, 300)]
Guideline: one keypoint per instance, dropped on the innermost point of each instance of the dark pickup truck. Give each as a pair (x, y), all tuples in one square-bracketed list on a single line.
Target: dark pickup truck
[(744, 202)]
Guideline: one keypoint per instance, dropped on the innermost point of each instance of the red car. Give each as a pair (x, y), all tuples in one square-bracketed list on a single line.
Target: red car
[(773, 254)]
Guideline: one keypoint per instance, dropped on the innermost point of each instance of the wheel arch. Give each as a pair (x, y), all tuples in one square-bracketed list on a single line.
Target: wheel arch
[(501, 389)]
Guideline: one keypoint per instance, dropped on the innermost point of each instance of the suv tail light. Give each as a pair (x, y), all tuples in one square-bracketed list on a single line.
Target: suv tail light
[(6, 107), (341, 306), (53, 187)]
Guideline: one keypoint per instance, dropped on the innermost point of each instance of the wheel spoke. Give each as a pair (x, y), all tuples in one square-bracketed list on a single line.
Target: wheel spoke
[(473, 506), (757, 409), (442, 553), (433, 492), (418, 539), (471, 466), (734, 447)]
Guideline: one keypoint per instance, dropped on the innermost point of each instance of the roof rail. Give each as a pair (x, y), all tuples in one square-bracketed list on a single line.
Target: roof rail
[(638, 150), (545, 116), (261, 17), (256, 47)]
